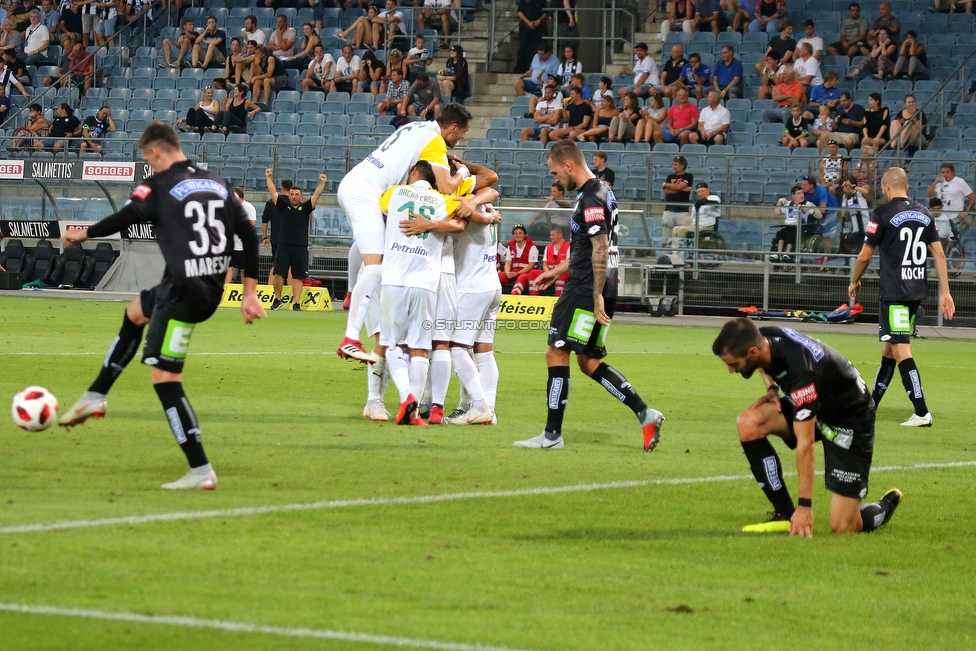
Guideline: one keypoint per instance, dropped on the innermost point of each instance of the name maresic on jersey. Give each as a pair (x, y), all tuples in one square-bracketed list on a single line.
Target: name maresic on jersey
[(195, 267)]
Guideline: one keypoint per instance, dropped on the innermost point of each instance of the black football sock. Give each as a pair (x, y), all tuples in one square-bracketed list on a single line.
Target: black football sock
[(913, 385), (557, 390), (875, 514), (182, 421), (120, 353), (883, 378), (618, 387), (768, 471)]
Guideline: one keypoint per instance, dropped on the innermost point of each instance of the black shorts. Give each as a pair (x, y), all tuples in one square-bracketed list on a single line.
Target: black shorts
[(291, 257), (574, 327), (896, 322), (172, 316), (847, 453), (237, 260)]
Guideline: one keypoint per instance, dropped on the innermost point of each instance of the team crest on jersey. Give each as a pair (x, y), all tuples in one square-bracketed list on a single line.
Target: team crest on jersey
[(593, 214), (142, 191), (872, 228), (190, 186)]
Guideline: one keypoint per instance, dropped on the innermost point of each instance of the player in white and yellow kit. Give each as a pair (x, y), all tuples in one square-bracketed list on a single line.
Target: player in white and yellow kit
[(360, 190)]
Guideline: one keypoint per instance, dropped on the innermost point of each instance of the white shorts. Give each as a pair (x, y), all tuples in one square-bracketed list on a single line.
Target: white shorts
[(374, 313), (362, 206), (407, 312), (670, 218), (476, 317), (447, 308)]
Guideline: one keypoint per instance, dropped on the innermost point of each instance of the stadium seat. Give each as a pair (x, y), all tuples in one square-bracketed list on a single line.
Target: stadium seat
[(14, 257), (39, 264)]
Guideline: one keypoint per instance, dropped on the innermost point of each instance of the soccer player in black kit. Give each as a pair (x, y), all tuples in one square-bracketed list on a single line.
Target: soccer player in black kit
[(824, 399), (904, 232), (195, 216), (581, 316)]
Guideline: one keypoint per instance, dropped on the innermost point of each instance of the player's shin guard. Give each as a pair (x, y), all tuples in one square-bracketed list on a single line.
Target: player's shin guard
[(488, 369), (467, 372), (440, 376), (913, 385), (182, 421), (120, 353), (369, 279), (768, 471), (399, 368), (419, 369), (618, 387), (886, 371), (557, 396)]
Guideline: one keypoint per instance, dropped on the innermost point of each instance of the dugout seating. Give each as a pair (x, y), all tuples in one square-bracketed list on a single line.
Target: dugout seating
[(98, 263), (69, 267), (40, 263), (14, 257)]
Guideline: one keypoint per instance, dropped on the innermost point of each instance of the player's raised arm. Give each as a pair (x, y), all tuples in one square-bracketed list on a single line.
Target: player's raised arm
[(318, 189), (272, 190), (131, 213)]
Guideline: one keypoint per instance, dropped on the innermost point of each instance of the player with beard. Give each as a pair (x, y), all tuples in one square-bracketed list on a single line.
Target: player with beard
[(824, 399), (581, 316)]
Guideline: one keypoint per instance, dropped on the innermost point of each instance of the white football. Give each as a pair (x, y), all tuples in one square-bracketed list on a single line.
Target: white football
[(34, 409)]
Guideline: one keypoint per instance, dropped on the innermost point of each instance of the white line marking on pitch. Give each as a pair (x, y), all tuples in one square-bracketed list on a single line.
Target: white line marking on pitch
[(419, 499), (244, 627)]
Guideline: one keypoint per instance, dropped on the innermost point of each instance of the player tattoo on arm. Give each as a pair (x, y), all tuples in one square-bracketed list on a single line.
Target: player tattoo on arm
[(601, 254)]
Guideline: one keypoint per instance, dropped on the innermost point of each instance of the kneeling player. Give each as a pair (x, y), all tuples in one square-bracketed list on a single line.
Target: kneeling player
[(195, 214), (825, 399)]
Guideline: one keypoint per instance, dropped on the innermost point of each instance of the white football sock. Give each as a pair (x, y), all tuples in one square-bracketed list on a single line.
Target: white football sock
[(467, 372), (488, 369), (419, 368), (369, 279), (374, 382), (399, 368), (440, 376), (355, 263)]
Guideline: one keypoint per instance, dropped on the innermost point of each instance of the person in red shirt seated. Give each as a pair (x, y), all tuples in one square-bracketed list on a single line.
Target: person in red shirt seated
[(556, 252), (521, 257)]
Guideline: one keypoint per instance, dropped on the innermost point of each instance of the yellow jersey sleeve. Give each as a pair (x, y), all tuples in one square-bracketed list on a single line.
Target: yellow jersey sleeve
[(435, 152), (450, 204), (385, 199), (466, 187)]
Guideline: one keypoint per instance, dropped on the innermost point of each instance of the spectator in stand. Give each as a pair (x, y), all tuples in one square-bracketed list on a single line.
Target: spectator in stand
[(783, 44), (318, 75), (237, 65), (908, 126), (453, 78), (866, 174), (854, 218), (886, 20), (237, 110), (211, 44), (713, 122), (394, 59), (770, 71), (65, 125), (10, 39), (911, 58), (419, 57), (957, 197), (797, 130), (532, 29), (880, 58), (439, 11), (81, 65), (281, 43), (557, 199), (671, 71), (521, 256), (203, 117), (250, 32), (370, 75), (646, 79), (267, 74), (695, 76), (808, 68), (568, 68), (728, 74), (104, 26), (833, 168), (798, 213), (600, 169), (709, 16), (567, 20), (677, 190), (37, 38), (603, 116), (134, 16), (650, 128), (877, 123), (50, 17), (623, 128), (768, 15), (787, 93), (300, 60), (823, 126), (704, 216), (388, 27), (681, 18), (19, 14), (827, 94), (37, 125), (542, 67), (363, 28), (94, 129), (682, 121), (848, 120), (853, 34), (396, 91), (745, 13), (816, 43), (4, 104), (8, 75), (818, 196), (71, 24), (548, 113), (577, 117), (347, 70), (421, 100), (174, 54), (951, 6)]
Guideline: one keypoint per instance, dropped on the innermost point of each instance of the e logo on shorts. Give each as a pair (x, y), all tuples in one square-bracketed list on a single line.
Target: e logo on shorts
[(899, 319), (581, 328), (176, 343)]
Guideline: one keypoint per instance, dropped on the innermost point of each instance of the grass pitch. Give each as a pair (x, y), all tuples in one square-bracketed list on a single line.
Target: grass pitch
[(635, 567)]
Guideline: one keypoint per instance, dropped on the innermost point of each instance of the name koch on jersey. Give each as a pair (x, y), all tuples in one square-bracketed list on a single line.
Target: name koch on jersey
[(902, 231), (413, 260)]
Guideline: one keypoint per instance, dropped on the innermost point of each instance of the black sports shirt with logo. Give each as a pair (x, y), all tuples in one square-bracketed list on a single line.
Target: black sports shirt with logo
[(596, 214), (902, 229), (195, 215), (293, 228), (817, 380)]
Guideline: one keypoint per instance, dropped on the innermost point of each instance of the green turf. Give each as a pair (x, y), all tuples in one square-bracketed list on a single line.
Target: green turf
[(660, 566)]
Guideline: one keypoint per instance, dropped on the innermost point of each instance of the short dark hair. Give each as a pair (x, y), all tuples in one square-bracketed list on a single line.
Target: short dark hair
[(545, 47), (935, 202), (600, 154), (853, 4), (694, 55), (239, 191), (35, 107), (286, 185), (454, 113), (161, 135), (252, 18), (423, 76), (808, 23), (559, 186), (948, 166), (426, 172), (845, 93), (212, 17), (736, 338)]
